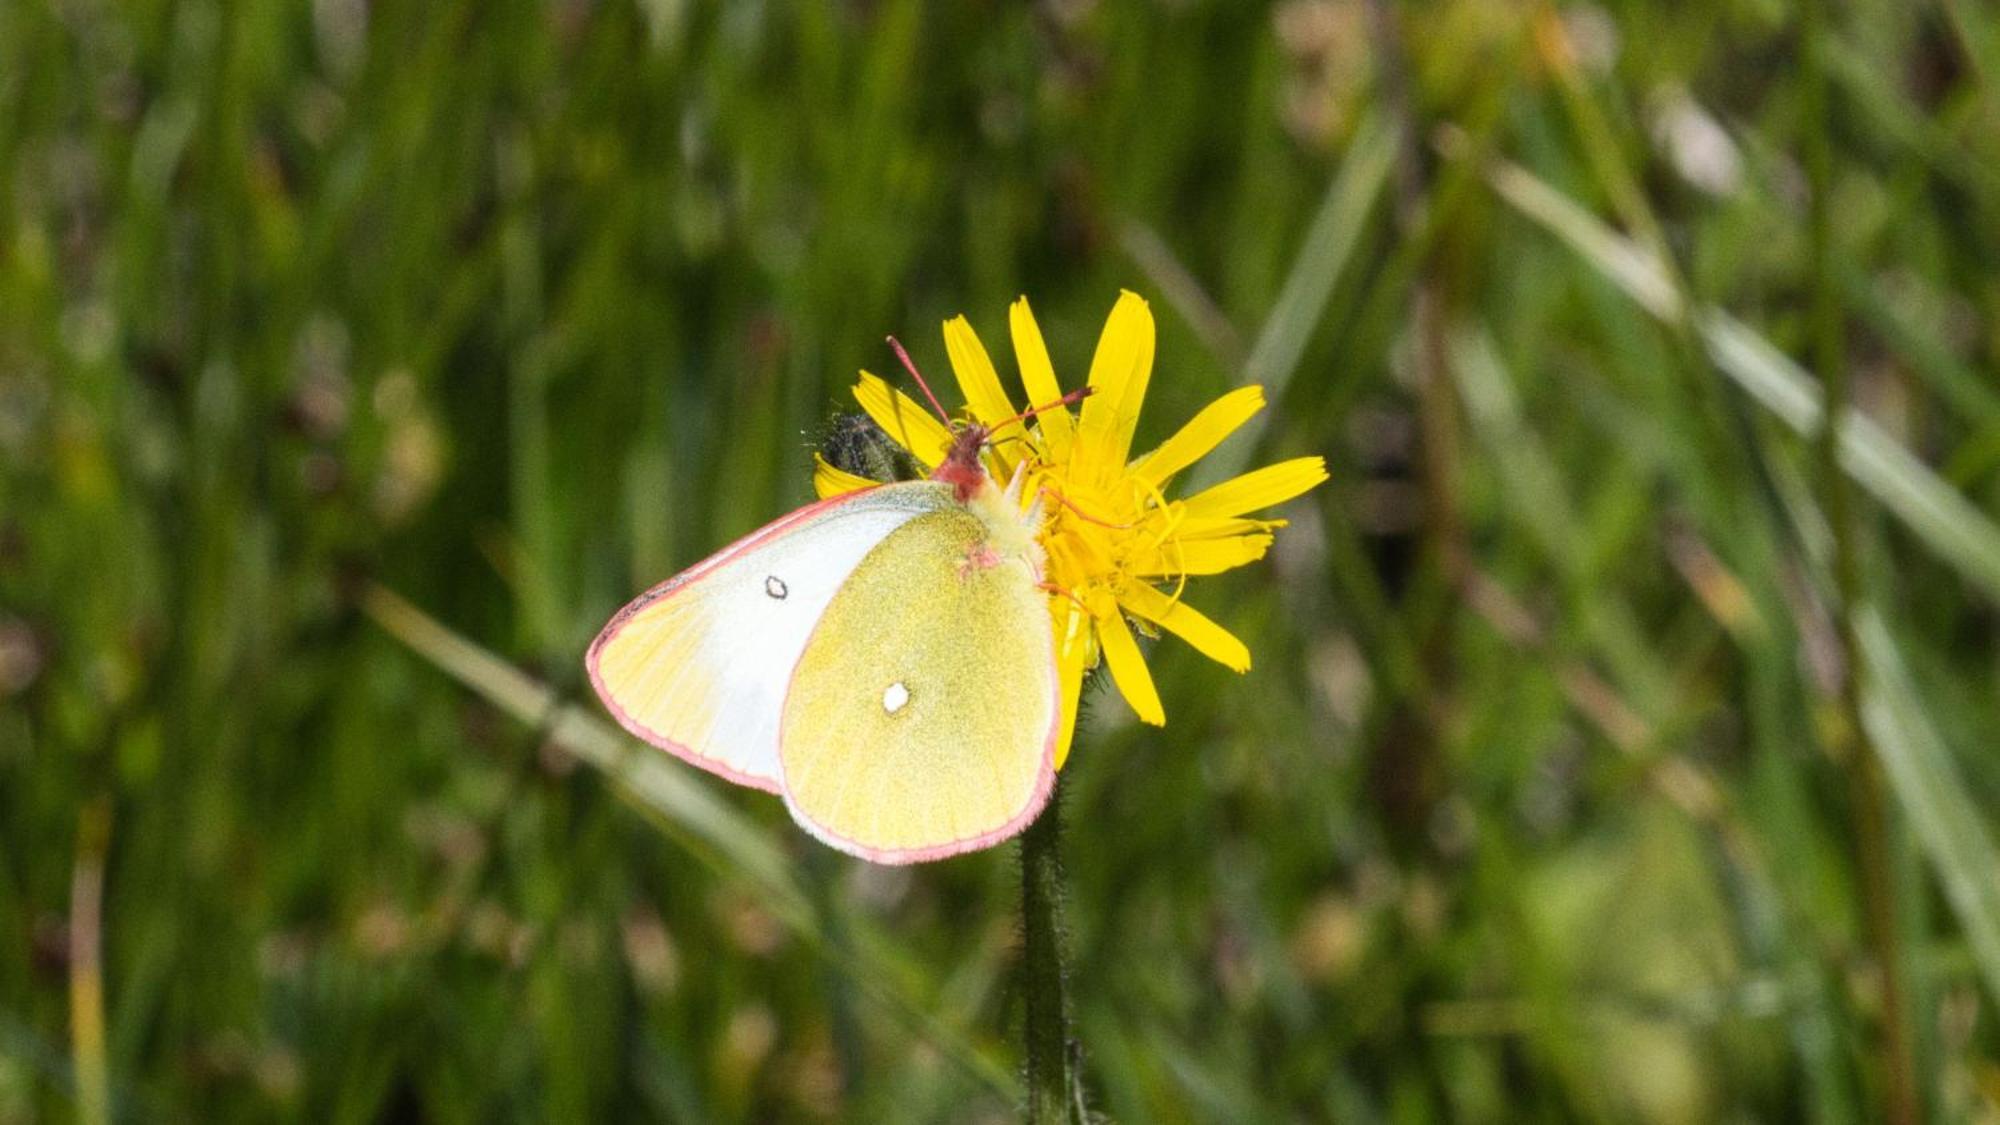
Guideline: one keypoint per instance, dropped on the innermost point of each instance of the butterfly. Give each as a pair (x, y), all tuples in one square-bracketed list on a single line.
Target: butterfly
[(883, 660)]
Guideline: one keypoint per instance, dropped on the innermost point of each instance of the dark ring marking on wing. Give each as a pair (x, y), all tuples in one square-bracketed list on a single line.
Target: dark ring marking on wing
[(776, 588)]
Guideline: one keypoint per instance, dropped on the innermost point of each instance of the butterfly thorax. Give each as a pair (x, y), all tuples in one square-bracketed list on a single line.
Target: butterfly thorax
[(1010, 532)]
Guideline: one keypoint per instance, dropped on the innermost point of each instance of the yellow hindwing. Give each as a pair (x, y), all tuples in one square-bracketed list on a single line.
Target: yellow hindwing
[(920, 719)]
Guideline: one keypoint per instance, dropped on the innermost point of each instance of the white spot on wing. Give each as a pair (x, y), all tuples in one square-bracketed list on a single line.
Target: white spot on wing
[(750, 638), (895, 697)]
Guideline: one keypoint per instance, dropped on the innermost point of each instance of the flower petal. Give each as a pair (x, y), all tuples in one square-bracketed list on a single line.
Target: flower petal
[(1203, 432), (1073, 659), (831, 480), (1189, 530), (1187, 623), (1272, 484), (1038, 376), (980, 384), (1128, 669), (1175, 559), (902, 419), (1118, 377)]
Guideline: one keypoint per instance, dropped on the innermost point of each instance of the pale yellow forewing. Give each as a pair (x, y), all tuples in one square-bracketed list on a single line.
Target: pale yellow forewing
[(923, 714), (698, 665)]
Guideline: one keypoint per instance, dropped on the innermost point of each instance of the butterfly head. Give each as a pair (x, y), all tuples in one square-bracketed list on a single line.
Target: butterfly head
[(961, 467)]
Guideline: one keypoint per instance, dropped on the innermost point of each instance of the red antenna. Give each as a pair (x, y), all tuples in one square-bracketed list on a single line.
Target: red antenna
[(919, 377), (1077, 395)]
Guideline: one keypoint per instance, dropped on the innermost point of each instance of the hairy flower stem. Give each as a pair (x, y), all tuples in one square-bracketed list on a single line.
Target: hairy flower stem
[(1054, 1091)]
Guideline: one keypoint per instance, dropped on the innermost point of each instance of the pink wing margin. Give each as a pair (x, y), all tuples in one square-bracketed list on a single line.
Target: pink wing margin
[(681, 581)]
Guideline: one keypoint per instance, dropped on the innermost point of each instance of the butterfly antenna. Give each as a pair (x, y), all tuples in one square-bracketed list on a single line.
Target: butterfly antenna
[(1052, 588), (919, 377), (1077, 395)]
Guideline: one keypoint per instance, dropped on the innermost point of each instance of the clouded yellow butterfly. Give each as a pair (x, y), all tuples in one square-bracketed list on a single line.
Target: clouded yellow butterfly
[(884, 660)]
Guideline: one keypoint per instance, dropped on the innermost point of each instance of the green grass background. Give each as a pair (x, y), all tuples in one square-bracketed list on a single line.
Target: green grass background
[(1543, 802)]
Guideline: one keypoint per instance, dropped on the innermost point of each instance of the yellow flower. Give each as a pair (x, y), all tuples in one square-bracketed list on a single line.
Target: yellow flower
[(1117, 546)]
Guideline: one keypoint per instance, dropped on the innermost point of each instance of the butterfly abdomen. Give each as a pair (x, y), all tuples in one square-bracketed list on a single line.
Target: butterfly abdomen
[(855, 444)]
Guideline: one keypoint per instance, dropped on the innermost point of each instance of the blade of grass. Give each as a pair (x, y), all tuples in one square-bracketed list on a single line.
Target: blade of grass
[(1959, 533), (680, 804), (1978, 39), (1928, 784), (1328, 244), (1918, 764), (1771, 920), (1535, 489), (1881, 100), (1156, 260), (1323, 255), (1875, 842), (1921, 771), (675, 795), (1969, 392), (86, 944), (1303, 300)]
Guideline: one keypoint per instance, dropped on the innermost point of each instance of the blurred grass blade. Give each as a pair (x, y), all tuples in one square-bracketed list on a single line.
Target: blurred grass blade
[(682, 804), (1534, 485), (1976, 36), (646, 779), (1630, 267), (1933, 793), (1919, 766), (1182, 290), (86, 963), (1958, 532), (1329, 243), (1534, 488), (1323, 255), (1878, 94), (1955, 381)]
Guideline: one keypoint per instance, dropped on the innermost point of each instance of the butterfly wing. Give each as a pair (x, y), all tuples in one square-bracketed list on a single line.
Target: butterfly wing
[(923, 713), (698, 664)]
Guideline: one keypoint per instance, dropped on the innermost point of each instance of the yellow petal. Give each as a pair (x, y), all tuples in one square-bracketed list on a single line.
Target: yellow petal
[(1074, 559), (1128, 669), (977, 380), (1118, 378), (1073, 658), (1203, 432), (831, 480), (1201, 556), (1184, 621), (1188, 530), (902, 419), (1038, 375), (1272, 484), (980, 384)]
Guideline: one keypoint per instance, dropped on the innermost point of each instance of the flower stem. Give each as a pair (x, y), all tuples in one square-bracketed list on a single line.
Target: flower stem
[(1054, 1092)]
